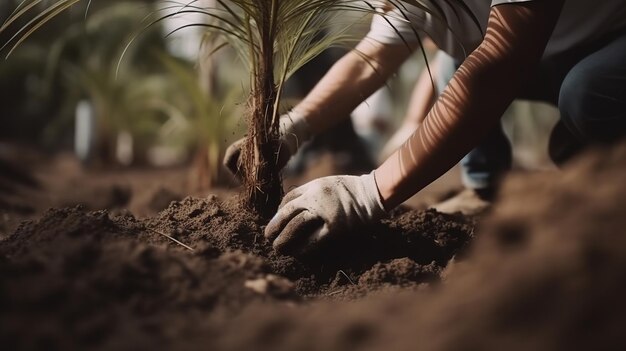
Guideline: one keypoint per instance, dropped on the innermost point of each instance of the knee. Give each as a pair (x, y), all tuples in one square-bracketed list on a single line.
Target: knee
[(574, 101), (588, 107)]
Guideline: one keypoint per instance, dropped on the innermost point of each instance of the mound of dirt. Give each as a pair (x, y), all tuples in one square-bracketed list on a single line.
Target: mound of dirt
[(76, 279)]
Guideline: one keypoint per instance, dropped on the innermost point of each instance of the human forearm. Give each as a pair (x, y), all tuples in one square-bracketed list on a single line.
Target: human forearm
[(350, 81), (474, 100), (424, 95), (450, 130)]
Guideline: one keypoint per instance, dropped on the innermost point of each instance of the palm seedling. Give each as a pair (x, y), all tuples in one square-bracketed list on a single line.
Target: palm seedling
[(274, 38)]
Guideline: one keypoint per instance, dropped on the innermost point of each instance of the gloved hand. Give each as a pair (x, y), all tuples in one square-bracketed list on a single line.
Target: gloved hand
[(324, 208), (294, 131)]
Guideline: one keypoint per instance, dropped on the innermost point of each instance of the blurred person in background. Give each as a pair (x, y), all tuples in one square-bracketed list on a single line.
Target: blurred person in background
[(568, 52)]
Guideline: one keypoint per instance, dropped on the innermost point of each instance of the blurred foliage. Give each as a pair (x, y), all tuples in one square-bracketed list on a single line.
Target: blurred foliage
[(31, 98), (84, 59), (25, 106), (199, 121), (151, 95), (36, 100)]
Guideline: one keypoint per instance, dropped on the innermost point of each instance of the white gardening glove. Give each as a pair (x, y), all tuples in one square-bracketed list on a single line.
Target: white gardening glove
[(294, 131), (324, 208)]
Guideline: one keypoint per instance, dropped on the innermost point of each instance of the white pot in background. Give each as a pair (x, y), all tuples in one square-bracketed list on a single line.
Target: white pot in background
[(84, 130)]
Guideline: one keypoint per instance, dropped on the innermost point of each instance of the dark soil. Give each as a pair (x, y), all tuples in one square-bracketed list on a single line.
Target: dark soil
[(76, 278), (546, 271)]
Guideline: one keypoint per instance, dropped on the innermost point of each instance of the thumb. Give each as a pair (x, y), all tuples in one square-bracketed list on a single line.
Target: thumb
[(232, 157), (299, 234)]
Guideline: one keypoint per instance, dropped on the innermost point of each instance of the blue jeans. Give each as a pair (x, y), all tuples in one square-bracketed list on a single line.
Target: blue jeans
[(587, 84)]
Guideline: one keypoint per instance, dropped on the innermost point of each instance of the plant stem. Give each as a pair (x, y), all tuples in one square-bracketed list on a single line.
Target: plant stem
[(262, 177)]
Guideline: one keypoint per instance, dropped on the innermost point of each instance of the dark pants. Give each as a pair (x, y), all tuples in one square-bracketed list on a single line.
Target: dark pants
[(588, 84)]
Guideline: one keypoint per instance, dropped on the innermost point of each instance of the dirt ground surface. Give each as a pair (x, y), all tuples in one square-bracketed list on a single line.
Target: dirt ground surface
[(544, 270)]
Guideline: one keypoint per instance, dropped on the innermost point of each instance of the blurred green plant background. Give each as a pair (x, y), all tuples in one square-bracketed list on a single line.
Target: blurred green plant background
[(69, 86)]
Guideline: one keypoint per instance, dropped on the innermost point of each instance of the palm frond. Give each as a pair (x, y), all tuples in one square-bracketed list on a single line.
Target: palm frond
[(35, 23)]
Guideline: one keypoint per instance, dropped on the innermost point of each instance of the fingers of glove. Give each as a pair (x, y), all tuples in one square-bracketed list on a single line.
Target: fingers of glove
[(313, 241), (292, 195), (232, 155), (299, 235), (284, 215)]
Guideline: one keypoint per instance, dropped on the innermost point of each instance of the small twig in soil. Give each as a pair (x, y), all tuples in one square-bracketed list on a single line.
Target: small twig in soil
[(345, 275), (172, 239), (333, 292)]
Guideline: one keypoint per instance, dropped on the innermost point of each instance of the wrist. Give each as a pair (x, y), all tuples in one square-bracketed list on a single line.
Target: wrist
[(374, 204), (385, 190)]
